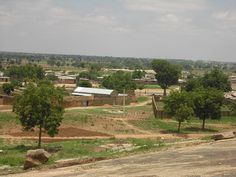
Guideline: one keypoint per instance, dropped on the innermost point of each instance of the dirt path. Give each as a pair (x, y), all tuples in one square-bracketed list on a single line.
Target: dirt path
[(89, 107), (109, 106), (206, 160)]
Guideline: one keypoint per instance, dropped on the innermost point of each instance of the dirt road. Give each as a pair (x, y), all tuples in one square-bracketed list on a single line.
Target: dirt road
[(207, 160)]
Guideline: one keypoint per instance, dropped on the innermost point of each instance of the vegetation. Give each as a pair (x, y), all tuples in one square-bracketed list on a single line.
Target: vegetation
[(84, 84), (138, 74), (207, 104), (215, 79), (166, 73), (25, 72), (119, 81), (40, 106), (142, 99), (7, 88), (180, 106)]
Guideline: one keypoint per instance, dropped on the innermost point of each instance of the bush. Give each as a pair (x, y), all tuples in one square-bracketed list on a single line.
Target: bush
[(7, 88), (84, 84)]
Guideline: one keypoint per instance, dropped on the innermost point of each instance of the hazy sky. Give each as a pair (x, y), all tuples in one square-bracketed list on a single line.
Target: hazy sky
[(190, 29)]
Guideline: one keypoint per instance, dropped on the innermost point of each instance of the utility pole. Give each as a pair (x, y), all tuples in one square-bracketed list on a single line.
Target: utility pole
[(124, 101)]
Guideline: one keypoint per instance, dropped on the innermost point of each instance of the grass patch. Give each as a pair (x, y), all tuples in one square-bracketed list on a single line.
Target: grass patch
[(142, 99), (14, 152), (170, 126), (8, 117), (154, 86)]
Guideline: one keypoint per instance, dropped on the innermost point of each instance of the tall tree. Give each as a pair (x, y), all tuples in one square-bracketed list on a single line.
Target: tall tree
[(217, 79), (207, 104), (166, 74), (119, 81), (179, 105), (40, 106)]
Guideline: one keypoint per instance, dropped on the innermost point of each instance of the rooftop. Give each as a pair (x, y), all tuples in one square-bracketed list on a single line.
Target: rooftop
[(87, 90)]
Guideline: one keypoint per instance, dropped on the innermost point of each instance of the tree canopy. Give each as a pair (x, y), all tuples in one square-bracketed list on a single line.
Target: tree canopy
[(119, 81), (179, 105), (84, 84), (207, 103), (30, 72), (138, 74), (215, 79), (166, 74), (7, 88), (40, 106)]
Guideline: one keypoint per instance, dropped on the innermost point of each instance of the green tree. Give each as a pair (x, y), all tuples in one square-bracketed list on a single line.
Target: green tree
[(7, 88), (193, 84), (138, 74), (40, 106), (166, 74), (207, 104), (183, 113), (119, 81), (84, 84), (179, 105), (26, 72), (217, 79), (88, 75)]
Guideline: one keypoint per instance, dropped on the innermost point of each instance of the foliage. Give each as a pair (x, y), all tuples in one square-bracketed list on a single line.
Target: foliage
[(119, 81), (140, 86), (217, 79), (193, 84), (40, 106), (7, 88), (88, 75), (138, 74), (16, 83), (179, 105), (142, 99), (207, 104), (183, 113), (173, 102), (84, 84), (51, 77), (166, 74), (28, 72)]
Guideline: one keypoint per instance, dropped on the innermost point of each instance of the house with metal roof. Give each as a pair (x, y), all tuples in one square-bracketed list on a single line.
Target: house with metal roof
[(96, 92), (67, 80)]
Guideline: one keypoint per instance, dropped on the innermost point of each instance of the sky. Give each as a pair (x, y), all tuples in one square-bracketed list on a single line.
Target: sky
[(177, 29)]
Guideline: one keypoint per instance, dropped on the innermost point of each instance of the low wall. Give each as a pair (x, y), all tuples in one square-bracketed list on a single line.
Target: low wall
[(75, 101), (6, 100)]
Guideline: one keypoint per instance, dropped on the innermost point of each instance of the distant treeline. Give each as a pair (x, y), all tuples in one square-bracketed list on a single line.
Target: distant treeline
[(83, 61)]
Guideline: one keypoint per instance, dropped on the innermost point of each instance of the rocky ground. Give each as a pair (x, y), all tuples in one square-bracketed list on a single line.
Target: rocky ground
[(206, 160)]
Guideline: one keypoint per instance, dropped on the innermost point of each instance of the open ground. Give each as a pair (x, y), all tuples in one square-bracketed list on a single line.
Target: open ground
[(207, 160)]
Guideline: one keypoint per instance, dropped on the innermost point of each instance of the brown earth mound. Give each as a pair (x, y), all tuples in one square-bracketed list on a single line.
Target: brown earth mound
[(63, 132)]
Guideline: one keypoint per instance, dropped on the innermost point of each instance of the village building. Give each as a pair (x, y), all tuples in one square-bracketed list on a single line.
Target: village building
[(83, 96), (4, 79), (96, 92), (67, 80)]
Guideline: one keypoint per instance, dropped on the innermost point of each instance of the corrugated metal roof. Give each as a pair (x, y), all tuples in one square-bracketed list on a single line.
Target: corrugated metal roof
[(93, 91), (81, 94)]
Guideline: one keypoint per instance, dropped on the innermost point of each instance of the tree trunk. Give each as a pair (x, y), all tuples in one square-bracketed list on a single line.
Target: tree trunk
[(40, 134), (203, 123), (179, 126), (164, 94)]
